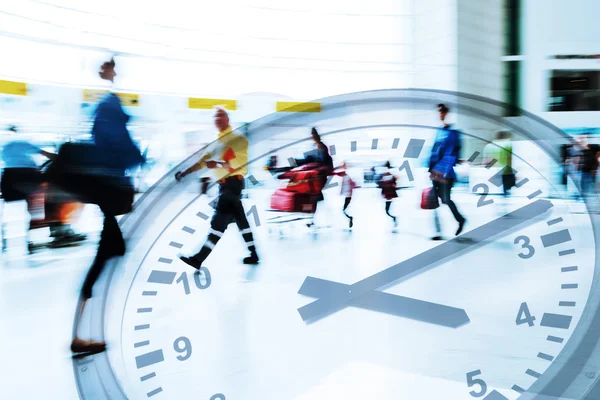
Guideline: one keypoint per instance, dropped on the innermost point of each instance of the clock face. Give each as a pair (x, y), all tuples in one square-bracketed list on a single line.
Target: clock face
[(371, 312)]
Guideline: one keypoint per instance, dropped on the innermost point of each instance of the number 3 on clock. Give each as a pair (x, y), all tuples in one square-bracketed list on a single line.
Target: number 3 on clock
[(529, 250)]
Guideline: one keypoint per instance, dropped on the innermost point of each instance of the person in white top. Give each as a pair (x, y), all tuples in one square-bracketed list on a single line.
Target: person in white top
[(348, 186)]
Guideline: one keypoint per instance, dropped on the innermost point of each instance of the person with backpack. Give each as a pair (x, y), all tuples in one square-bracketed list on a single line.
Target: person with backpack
[(443, 158)]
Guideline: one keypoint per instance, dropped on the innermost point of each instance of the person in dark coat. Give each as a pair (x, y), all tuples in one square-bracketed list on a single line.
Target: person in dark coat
[(101, 180), (389, 189)]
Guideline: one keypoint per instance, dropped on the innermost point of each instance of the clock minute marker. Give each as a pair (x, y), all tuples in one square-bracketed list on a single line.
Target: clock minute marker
[(566, 304), (554, 339), (155, 392), (149, 376), (545, 356), (518, 389), (566, 252), (533, 373)]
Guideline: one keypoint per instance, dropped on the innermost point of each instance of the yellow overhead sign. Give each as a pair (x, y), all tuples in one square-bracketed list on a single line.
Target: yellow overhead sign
[(293, 106), (16, 88), (209, 104), (94, 96), (129, 99)]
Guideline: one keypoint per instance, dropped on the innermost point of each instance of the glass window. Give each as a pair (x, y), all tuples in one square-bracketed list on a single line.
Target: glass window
[(574, 90)]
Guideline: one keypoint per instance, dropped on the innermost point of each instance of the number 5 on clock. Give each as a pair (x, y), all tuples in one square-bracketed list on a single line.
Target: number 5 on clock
[(472, 381)]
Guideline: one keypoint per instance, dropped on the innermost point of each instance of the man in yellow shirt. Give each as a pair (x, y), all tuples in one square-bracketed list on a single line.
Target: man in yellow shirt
[(228, 160)]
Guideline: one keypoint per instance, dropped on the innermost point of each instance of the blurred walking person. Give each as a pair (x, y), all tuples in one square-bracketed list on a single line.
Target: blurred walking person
[(322, 157), (388, 185), (348, 186), (588, 168), (22, 179), (443, 158), (96, 173), (228, 160), (500, 149)]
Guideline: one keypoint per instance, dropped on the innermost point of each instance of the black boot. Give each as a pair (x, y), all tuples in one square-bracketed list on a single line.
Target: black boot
[(461, 225), (252, 259), (191, 261)]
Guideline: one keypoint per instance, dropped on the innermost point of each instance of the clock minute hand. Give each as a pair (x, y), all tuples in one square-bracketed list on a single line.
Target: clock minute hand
[(336, 301), (405, 307)]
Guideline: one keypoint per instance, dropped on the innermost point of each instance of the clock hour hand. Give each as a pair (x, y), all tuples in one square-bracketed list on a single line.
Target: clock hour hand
[(392, 304), (466, 242)]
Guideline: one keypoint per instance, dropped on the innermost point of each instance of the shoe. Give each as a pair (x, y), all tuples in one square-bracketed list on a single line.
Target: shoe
[(461, 225), (437, 238), (65, 241), (351, 223), (87, 346), (191, 261), (252, 259)]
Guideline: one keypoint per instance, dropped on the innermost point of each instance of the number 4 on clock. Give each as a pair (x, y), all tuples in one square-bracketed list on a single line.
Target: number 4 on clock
[(524, 316)]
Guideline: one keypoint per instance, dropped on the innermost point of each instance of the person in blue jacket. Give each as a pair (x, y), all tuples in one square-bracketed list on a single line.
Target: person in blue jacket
[(114, 152), (444, 156)]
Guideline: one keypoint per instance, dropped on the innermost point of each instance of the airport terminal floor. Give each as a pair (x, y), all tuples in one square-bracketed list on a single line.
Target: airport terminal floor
[(523, 295)]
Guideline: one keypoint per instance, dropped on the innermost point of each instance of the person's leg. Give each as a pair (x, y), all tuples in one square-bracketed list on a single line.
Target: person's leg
[(239, 215), (388, 205), (218, 224), (52, 211), (507, 184), (111, 244), (58, 207), (436, 216), (347, 201), (318, 205), (588, 184), (445, 189)]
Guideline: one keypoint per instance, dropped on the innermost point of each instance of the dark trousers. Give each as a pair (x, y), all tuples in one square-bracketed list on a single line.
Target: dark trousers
[(588, 183), (508, 181), (443, 190), (229, 209), (347, 201), (109, 194), (111, 244), (388, 205)]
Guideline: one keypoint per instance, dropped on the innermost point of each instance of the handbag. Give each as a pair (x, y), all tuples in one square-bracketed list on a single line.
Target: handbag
[(429, 199), (80, 170)]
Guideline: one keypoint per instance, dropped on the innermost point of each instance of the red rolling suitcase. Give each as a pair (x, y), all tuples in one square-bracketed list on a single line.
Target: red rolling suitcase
[(305, 182), (283, 200)]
